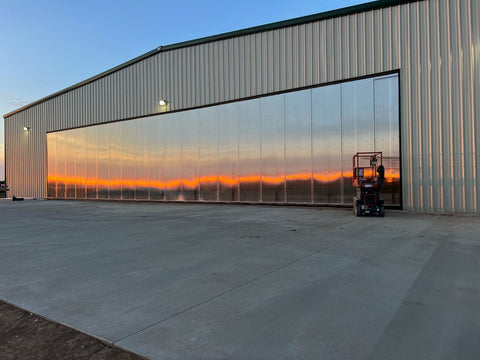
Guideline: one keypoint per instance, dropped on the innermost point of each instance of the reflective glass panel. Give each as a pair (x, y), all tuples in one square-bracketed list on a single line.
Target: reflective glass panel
[(156, 139), (52, 164), (272, 149), (91, 161), (173, 157), (227, 152), (142, 159), (249, 150), (357, 128), (80, 162), (115, 165), (69, 149), (190, 156), (208, 163), (387, 135), (326, 143), (103, 155), (61, 159), (128, 160), (298, 150)]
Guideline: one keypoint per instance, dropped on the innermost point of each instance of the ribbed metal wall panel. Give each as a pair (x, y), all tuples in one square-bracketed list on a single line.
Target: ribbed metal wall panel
[(434, 43)]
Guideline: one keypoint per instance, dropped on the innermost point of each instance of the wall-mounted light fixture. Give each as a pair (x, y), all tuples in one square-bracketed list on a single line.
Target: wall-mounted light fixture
[(26, 128), (163, 102)]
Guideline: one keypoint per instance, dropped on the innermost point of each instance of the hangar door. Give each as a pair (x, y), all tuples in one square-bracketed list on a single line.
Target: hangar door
[(294, 147)]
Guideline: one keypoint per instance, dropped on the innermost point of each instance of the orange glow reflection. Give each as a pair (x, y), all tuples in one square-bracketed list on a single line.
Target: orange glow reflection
[(391, 175)]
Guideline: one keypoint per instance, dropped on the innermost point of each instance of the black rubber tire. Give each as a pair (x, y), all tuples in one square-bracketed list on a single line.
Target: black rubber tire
[(356, 210), (382, 212)]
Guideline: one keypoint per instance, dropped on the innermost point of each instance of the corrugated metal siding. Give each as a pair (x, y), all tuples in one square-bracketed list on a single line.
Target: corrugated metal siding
[(435, 44)]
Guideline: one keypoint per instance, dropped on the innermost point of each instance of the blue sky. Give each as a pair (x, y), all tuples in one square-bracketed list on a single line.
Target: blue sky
[(46, 46)]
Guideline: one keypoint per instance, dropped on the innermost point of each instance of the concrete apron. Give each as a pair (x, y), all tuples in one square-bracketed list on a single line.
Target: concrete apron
[(193, 281)]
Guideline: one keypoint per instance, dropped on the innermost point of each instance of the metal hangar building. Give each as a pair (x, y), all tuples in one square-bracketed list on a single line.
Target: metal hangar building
[(272, 114)]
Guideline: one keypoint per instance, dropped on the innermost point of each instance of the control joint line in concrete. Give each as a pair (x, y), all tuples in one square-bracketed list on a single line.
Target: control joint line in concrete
[(232, 289), (402, 300)]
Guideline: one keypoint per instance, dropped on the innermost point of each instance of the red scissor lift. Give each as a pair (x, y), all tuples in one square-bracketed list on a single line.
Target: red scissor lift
[(368, 178)]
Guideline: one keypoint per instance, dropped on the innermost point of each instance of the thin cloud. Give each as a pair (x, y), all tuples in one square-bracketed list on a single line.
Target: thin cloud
[(9, 101), (17, 102)]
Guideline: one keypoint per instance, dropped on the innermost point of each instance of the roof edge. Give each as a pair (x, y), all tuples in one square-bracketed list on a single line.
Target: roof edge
[(350, 10)]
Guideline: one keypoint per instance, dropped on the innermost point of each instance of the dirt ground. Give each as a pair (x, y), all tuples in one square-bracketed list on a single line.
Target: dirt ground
[(26, 336)]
